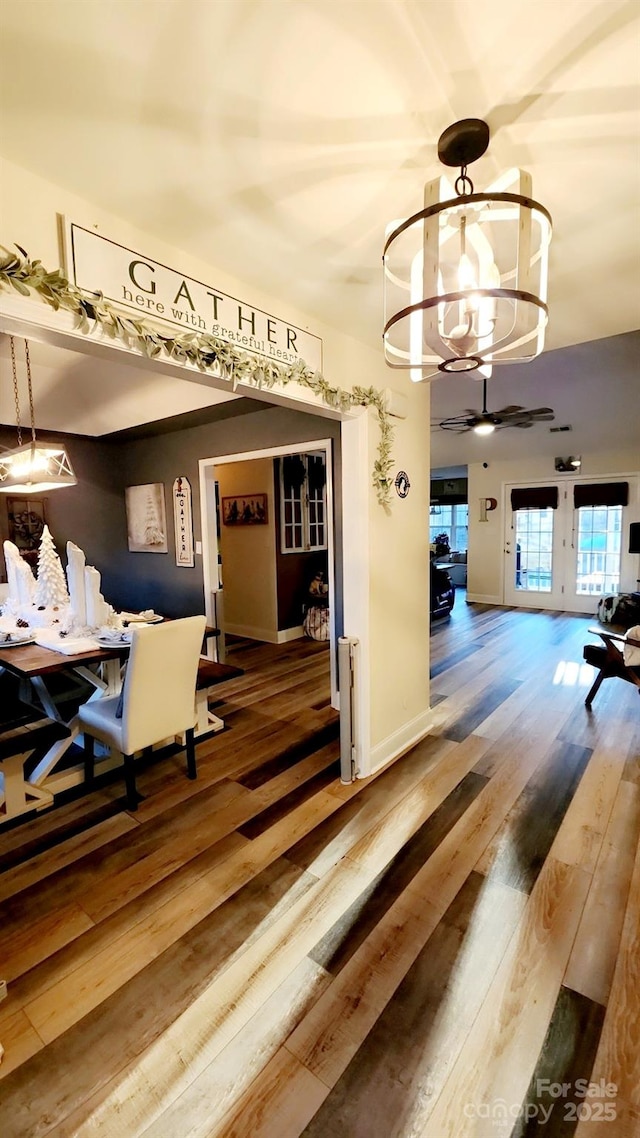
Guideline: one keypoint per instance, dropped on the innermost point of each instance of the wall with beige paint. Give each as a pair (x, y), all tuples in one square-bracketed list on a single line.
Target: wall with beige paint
[(248, 554), (486, 539), (389, 574)]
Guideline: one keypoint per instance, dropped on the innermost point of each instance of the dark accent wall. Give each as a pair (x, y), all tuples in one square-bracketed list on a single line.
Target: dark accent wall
[(294, 571), (92, 514)]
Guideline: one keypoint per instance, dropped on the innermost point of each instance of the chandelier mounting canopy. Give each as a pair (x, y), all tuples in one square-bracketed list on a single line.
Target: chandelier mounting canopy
[(463, 142)]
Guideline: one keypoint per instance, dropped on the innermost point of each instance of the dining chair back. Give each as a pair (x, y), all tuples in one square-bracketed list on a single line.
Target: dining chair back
[(157, 701)]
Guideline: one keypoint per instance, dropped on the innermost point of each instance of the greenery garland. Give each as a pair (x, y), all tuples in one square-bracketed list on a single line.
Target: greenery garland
[(207, 352)]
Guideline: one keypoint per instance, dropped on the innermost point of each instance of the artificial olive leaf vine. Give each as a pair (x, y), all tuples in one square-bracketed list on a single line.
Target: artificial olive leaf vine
[(206, 352)]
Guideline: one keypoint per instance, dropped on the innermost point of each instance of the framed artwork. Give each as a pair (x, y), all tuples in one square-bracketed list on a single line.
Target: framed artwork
[(146, 518), (27, 518), (245, 510)]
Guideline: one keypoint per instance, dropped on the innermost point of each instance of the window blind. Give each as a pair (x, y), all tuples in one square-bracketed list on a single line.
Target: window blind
[(450, 500), (601, 494), (535, 498)]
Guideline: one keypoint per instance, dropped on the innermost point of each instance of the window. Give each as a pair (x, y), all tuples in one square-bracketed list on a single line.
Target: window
[(452, 520), (303, 503), (534, 549), (599, 547)]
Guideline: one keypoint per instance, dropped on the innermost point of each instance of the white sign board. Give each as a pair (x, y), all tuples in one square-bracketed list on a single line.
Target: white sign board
[(131, 280), (183, 521)]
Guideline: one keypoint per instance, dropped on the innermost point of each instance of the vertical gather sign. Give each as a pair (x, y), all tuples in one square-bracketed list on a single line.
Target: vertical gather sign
[(183, 522)]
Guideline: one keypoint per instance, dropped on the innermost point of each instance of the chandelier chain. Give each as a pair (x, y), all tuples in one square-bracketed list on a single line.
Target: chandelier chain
[(31, 410), (463, 183), (15, 389)]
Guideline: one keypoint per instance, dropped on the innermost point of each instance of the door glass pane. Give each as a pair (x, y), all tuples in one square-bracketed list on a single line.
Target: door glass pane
[(599, 547), (534, 547)]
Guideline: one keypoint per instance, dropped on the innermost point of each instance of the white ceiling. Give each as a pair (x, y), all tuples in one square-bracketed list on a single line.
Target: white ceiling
[(85, 395), (275, 139), (593, 388)]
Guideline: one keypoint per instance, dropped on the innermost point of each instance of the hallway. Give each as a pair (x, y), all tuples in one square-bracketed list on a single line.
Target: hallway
[(267, 952)]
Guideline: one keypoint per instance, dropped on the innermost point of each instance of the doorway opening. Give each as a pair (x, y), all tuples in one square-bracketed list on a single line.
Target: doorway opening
[(268, 543)]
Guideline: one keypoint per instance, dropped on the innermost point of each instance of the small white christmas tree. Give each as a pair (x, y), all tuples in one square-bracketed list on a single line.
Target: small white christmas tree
[(51, 587)]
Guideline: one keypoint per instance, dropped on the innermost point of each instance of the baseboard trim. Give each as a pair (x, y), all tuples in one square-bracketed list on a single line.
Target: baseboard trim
[(401, 740), (286, 634), (251, 632), (485, 599)]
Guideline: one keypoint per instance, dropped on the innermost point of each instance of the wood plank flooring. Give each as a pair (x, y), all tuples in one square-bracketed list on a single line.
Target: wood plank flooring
[(266, 953)]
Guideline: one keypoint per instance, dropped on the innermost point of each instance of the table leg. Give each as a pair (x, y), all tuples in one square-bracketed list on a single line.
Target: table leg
[(206, 721), (20, 796), (45, 698), (109, 685)]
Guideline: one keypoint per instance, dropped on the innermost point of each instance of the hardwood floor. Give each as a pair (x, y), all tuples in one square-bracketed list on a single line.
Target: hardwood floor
[(266, 952)]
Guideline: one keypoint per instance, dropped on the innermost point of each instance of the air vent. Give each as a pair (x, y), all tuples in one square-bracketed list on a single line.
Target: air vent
[(559, 430)]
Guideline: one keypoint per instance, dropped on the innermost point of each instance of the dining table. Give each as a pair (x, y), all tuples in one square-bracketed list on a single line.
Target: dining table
[(101, 670), (34, 665)]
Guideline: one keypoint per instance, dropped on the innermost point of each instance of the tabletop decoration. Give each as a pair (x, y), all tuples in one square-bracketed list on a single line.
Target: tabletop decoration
[(51, 586), (67, 645), (46, 604), (21, 581)]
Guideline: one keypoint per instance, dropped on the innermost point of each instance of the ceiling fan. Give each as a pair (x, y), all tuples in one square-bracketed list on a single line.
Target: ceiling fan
[(484, 422)]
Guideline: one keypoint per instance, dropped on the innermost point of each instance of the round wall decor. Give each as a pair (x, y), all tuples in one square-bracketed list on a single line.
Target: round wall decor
[(402, 484)]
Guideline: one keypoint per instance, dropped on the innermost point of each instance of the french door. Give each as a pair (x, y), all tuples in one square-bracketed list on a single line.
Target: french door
[(564, 543)]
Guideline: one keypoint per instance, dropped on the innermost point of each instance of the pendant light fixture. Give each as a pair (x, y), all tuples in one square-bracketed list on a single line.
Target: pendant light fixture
[(465, 279), (32, 468)]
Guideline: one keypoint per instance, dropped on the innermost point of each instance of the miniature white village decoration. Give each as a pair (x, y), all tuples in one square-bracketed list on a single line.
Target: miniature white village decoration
[(74, 606)]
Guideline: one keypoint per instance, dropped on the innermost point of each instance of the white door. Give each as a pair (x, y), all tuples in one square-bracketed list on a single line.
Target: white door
[(567, 557), (533, 554)]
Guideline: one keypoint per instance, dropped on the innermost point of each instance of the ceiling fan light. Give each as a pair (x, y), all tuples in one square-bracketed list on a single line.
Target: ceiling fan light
[(484, 428)]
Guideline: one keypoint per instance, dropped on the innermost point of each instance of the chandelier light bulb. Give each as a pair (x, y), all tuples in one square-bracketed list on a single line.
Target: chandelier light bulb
[(467, 283)]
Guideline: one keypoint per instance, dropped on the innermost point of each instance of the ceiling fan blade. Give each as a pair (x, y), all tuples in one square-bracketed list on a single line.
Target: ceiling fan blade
[(538, 413), (511, 416), (458, 423), (464, 416)]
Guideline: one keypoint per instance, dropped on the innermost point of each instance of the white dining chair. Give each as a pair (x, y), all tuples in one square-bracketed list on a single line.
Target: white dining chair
[(157, 700)]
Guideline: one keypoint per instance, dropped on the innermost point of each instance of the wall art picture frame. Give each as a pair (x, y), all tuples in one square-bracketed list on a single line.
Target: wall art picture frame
[(146, 518), (245, 510), (26, 519)]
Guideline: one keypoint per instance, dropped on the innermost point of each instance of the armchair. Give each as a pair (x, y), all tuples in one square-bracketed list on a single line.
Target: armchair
[(157, 702), (620, 658)]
